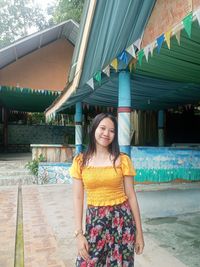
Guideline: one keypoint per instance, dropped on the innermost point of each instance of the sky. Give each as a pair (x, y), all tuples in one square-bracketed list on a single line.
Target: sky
[(44, 3)]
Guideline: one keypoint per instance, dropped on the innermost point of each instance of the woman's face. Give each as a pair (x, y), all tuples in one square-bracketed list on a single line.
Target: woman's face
[(105, 132)]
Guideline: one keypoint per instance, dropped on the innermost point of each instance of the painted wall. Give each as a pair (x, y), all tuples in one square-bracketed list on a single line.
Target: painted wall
[(164, 164), (46, 68), (167, 14), (39, 134)]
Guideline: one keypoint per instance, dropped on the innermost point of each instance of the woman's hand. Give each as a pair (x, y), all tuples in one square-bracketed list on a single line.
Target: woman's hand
[(139, 244), (83, 247)]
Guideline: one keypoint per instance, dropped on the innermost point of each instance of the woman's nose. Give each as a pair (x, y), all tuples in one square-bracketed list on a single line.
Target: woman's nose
[(106, 132)]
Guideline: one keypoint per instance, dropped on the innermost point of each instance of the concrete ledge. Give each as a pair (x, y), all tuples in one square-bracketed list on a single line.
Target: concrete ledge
[(163, 203)]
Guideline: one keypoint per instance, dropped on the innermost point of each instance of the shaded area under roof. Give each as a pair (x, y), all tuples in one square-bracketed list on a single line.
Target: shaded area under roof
[(68, 30)]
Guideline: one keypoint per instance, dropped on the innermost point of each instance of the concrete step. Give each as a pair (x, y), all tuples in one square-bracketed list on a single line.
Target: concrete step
[(18, 165), (16, 172), (16, 176), (16, 180)]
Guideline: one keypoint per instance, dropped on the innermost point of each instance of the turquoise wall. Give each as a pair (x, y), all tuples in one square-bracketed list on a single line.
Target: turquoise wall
[(152, 164), (165, 164)]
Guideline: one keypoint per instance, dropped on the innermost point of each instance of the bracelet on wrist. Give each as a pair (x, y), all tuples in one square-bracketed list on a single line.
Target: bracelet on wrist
[(78, 232)]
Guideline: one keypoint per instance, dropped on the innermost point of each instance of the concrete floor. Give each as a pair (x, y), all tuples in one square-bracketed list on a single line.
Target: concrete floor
[(171, 241), (179, 235)]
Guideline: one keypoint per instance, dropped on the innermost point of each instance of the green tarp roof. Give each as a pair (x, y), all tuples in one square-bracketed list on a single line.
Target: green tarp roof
[(26, 99), (181, 63), (168, 79)]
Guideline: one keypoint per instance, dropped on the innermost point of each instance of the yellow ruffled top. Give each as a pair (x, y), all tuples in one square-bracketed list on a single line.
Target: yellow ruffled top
[(104, 185)]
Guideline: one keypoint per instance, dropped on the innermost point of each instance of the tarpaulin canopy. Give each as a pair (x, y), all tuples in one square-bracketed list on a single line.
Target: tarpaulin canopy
[(113, 26), (179, 63), (25, 99), (148, 93), (168, 79)]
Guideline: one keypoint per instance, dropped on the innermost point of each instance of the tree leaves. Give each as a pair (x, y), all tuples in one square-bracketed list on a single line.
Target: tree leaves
[(68, 9), (16, 19)]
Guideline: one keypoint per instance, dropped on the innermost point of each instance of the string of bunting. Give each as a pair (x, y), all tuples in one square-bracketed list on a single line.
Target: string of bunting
[(29, 90), (130, 57)]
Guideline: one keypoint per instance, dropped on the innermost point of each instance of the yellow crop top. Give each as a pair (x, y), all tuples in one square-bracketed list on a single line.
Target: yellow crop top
[(104, 185)]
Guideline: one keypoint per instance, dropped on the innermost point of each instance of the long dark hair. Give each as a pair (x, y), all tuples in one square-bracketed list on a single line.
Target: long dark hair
[(113, 148)]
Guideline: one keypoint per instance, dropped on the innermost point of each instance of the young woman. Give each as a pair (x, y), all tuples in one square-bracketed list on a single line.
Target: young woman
[(113, 224)]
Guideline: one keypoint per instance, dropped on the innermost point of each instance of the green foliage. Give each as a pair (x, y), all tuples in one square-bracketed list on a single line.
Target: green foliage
[(33, 165), (68, 9), (36, 118), (16, 19)]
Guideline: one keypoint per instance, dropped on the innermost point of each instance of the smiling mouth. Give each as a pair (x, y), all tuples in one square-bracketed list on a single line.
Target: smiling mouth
[(106, 139)]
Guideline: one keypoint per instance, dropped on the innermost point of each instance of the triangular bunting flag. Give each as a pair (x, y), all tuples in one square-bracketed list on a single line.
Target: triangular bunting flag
[(187, 22), (140, 56), (97, 76), (131, 50), (146, 52), (91, 83), (132, 64), (114, 64), (167, 38), (178, 36), (137, 43), (197, 13), (160, 41), (123, 57), (107, 71), (151, 47)]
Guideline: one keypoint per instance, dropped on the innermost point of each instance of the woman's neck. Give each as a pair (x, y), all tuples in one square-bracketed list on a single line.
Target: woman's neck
[(101, 151)]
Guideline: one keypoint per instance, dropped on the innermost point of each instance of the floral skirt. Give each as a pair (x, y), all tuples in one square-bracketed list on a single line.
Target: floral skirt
[(110, 232)]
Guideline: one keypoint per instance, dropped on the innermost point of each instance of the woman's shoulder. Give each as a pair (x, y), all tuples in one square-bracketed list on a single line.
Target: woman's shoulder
[(124, 156), (78, 157)]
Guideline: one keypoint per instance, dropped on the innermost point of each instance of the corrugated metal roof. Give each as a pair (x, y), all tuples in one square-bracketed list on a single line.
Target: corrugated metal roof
[(68, 29)]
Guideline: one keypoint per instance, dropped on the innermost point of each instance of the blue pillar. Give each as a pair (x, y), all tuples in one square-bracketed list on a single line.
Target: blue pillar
[(160, 128), (78, 127), (124, 110)]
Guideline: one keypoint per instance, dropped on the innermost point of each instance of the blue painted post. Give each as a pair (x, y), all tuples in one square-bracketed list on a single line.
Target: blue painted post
[(160, 128), (78, 127), (124, 110)]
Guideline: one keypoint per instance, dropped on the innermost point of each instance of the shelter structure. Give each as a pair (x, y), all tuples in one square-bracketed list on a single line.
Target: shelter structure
[(33, 73), (124, 62)]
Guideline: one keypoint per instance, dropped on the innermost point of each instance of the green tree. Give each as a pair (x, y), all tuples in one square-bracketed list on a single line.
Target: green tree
[(68, 9), (16, 19)]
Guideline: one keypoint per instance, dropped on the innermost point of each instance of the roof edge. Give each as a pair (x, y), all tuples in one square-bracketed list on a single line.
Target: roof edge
[(79, 64)]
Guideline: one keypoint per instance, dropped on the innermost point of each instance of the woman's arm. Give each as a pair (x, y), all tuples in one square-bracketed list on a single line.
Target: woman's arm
[(132, 198), (78, 200)]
